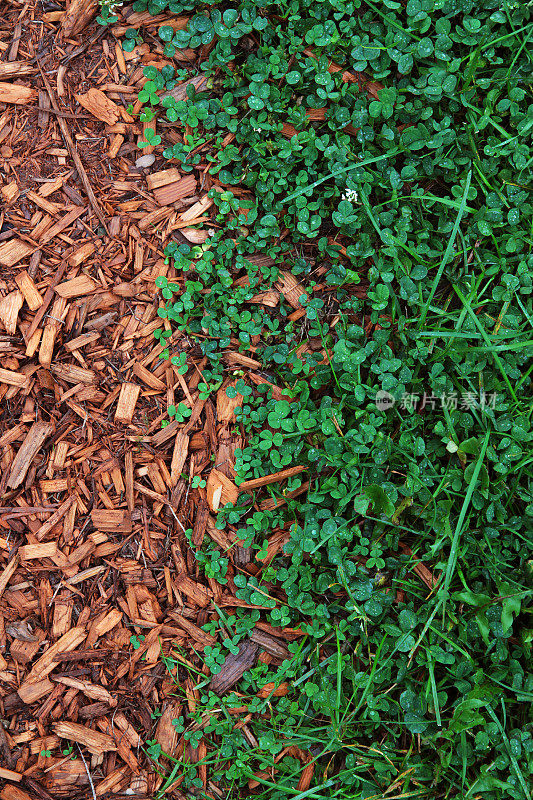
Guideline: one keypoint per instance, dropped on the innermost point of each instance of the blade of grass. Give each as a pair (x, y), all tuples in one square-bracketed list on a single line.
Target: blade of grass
[(295, 794), (487, 339), (371, 676), (447, 252), (434, 691), (392, 22), (507, 36), (454, 550), (356, 165), (514, 762), (339, 680)]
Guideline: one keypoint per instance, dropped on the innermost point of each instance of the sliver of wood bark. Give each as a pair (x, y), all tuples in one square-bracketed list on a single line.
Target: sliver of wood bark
[(234, 667)]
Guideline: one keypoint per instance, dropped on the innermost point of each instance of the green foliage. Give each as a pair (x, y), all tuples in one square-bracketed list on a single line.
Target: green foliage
[(180, 412), (106, 16), (416, 198), (132, 38), (209, 557), (151, 140)]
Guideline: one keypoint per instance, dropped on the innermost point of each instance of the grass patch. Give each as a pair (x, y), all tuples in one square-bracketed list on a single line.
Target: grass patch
[(380, 154)]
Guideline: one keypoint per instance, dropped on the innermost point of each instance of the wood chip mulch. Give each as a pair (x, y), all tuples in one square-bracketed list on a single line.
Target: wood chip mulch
[(95, 495)]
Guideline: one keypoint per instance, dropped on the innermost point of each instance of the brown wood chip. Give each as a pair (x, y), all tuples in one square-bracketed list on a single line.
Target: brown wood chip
[(13, 93), (99, 105), (13, 251), (234, 667), (95, 742), (274, 646), (27, 452)]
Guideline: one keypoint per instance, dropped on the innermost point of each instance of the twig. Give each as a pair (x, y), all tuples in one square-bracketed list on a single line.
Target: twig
[(79, 50), (88, 773), (73, 152), (64, 114), (26, 510)]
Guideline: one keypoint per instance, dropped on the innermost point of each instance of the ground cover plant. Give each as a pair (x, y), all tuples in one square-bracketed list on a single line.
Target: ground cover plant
[(380, 154)]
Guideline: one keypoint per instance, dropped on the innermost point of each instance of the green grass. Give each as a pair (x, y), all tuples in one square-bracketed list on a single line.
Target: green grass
[(406, 683)]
